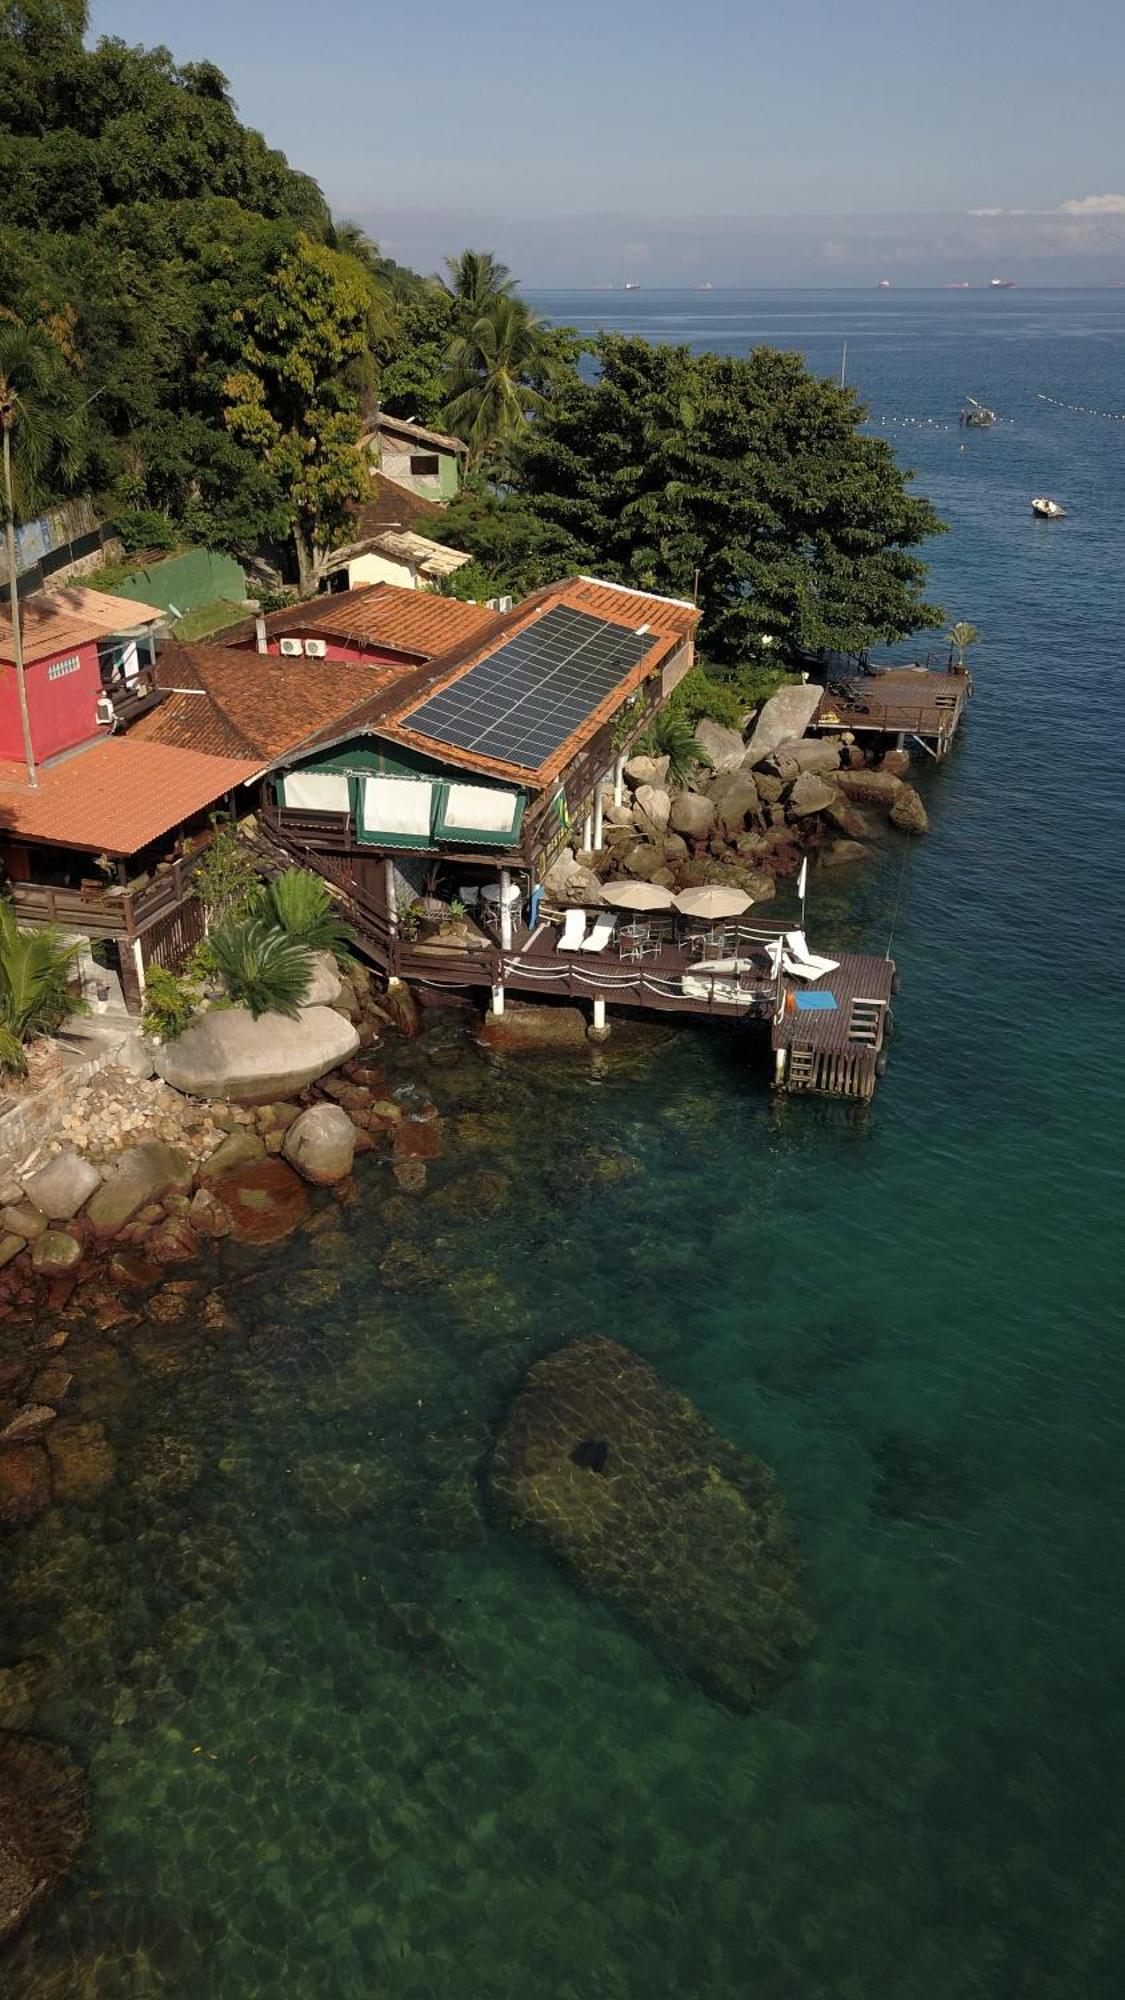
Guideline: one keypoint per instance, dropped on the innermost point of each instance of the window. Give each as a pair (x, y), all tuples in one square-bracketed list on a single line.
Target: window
[(424, 465), (316, 791), (398, 810), (61, 668), (480, 809)]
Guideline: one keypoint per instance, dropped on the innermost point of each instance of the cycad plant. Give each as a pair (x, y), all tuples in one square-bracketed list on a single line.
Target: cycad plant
[(261, 966), (35, 967), (300, 903), (671, 735)]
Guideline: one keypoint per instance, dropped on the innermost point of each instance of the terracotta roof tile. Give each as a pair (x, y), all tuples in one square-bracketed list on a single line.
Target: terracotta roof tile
[(380, 614), (233, 704), (53, 620), (117, 795)]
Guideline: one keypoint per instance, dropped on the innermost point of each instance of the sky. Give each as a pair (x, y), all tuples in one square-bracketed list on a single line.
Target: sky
[(803, 143)]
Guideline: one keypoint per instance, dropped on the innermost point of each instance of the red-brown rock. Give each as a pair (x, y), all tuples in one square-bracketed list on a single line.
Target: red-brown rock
[(265, 1200), (25, 1483)]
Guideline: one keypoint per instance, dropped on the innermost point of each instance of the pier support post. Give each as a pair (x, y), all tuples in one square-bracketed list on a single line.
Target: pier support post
[(599, 1031), (596, 841), (779, 1067), (588, 831), (505, 910), (389, 894), (498, 999), (618, 780)]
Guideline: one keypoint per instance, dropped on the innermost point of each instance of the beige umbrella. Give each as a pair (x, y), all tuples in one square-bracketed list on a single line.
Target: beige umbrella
[(711, 902), (637, 896)]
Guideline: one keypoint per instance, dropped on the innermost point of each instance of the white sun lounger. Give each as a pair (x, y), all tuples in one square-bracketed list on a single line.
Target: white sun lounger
[(604, 927), (573, 931), (809, 968)]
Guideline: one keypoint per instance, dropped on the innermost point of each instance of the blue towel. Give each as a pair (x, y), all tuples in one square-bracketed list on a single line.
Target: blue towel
[(815, 1003)]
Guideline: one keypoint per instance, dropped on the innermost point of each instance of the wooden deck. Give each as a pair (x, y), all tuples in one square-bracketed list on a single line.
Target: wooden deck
[(898, 701)]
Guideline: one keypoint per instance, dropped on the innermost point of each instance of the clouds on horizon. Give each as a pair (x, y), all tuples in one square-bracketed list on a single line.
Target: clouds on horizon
[(1080, 241)]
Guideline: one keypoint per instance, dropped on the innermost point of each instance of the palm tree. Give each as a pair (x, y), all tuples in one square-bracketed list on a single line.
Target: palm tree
[(35, 968), (494, 368), (476, 280), (961, 636), (39, 434)]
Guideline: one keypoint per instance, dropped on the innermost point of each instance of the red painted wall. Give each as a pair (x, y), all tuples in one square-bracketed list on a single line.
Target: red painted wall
[(61, 710)]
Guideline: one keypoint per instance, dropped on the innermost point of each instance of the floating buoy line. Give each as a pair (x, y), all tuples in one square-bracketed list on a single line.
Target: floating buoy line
[(1081, 409)]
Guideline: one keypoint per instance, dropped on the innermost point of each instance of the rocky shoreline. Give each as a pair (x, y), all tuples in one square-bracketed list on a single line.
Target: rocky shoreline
[(759, 801)]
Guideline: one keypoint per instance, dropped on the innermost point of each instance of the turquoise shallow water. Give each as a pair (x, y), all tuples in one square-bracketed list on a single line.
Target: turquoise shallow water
[(912, 1313)]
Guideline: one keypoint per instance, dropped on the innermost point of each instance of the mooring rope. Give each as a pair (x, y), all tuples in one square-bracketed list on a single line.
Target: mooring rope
[(1081, 409)]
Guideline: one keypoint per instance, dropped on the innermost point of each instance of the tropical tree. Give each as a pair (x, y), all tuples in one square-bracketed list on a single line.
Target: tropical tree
[(40, 438), (35, 968), (499, 367), (475, 280), (961, 636)]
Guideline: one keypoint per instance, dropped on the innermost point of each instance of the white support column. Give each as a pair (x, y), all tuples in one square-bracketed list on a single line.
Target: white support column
[(389, 893), (599, 1032), (779, 1066), (498, 999), (139, 964), (588, 831), (505, 911), (596, 842), (618, 781)]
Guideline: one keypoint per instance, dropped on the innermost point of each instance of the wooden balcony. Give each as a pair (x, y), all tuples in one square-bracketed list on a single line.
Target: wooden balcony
[(112, 912)]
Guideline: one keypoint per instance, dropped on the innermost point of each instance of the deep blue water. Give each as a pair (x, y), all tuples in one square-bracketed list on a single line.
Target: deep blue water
[(912, 1313)]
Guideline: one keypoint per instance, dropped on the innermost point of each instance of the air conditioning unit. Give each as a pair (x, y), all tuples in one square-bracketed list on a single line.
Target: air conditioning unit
[(292, 649), (315, 649), (500, 603), (104, 711)]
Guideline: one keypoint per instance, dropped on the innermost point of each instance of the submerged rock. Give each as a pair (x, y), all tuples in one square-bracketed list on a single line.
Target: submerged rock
[(25, 1483), (265, 1200), (43, 1824), (665, 1518), (82, 1460)]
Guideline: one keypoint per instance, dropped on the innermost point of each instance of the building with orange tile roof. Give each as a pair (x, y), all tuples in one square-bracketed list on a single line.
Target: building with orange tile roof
[(380, 622), (76, 643)]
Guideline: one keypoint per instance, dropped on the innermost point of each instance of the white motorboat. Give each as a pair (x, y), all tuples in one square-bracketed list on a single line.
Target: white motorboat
[(1047, 510)]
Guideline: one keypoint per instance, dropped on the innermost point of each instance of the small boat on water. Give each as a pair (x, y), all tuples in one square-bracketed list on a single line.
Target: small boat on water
[(1047, 510), (975, 416)]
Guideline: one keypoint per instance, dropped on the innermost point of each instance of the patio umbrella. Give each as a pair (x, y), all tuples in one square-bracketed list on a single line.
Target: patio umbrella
[(637, 896), (711, 902)]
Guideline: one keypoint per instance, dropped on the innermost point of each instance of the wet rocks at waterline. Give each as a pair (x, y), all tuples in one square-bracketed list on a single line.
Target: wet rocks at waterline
[(653, 1509), (43, 1824)]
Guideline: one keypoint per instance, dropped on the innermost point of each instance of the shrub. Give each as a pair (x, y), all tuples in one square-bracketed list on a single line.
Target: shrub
[(143, 528), (171, 1003), (261, 966), (700, 698), (227, 879), (35, 970), (672, 736), (300, 903)]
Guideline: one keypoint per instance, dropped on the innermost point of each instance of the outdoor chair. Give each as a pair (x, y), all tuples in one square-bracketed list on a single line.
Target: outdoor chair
[(573, 931), (604, 927)]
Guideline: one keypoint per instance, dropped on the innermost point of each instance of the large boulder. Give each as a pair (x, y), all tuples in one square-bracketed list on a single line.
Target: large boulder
[(784, 719), (813, 753), (321, 1144), (228, 1054), (646, 770), (811, 794), (569, 883), (908, 813), (141, 1174), (643, 861), (43, 1824), (692, 815), (651, 808), (870, 788), (60, 1188), (325, 985), (723, 748), (735, 801), (650, 1507)]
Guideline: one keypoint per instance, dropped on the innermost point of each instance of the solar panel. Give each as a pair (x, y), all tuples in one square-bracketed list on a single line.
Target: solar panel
[(525, 699)]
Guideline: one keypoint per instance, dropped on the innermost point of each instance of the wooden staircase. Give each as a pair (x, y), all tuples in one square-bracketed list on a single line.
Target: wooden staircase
[(865, 1022)]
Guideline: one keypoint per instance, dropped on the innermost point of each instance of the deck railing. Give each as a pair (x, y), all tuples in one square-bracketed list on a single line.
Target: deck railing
[(115, 911)]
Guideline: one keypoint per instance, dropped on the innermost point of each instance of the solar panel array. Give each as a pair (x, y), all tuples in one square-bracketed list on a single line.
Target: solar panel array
[(524, 700)]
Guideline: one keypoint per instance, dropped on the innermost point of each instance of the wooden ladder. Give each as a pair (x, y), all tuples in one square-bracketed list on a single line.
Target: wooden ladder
[(866, 1022), (799, 1074)]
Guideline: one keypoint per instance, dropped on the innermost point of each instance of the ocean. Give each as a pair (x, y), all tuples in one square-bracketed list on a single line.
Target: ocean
[(912, 1312)]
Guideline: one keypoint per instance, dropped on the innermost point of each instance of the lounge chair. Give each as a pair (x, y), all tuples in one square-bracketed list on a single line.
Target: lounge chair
[(573, 931), (809, 968), (604, 927)]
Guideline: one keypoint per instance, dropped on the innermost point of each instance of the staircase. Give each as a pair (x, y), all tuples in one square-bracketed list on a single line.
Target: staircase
[(800, 1070), (865, 1023)]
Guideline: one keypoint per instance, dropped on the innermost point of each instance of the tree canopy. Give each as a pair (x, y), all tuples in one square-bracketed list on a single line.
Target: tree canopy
[(743, 481)]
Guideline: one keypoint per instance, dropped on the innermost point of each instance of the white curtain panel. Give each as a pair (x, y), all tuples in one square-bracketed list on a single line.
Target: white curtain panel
[(397, 805), (479, 809), (317, 791)]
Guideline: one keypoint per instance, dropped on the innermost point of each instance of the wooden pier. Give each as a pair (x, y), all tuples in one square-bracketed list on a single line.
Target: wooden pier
[(833, 1049), (914, 704)]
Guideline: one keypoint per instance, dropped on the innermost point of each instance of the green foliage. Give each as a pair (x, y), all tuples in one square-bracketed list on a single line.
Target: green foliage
[(472, 583), (261, 966), (171, 1003), (671, 735), (35, 968), (227, 878), (744, 481), (961, 636), (40, 414), (301, 904), (143, 528)]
